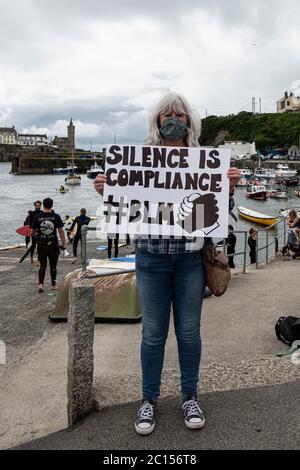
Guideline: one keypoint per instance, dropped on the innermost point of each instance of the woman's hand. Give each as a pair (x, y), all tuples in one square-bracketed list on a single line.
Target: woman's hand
[(99, 183), (234, 175)]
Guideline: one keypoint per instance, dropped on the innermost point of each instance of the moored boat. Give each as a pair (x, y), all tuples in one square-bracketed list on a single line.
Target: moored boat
[(284, 171), (277, 194), (264, 173), (73, 179), (94, 171), (288, 181), (256, 217), (259, 193), (65, 171)]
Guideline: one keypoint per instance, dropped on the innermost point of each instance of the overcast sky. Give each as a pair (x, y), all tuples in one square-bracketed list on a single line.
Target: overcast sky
[(106, 62)]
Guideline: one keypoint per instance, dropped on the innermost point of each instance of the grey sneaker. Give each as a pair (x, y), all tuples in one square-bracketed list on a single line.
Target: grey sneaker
[(145, 423), (193, 415)]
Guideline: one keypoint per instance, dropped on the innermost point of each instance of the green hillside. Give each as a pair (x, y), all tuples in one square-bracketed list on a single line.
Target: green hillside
[(267, 130)]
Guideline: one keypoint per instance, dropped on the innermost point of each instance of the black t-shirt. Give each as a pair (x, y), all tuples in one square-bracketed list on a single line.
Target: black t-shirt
[(45, 225), (33, 215)]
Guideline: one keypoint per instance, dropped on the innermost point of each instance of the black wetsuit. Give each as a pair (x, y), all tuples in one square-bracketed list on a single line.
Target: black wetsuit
[(252, 253), (80, 221), (45, 224), (231, 242), (30, 222)]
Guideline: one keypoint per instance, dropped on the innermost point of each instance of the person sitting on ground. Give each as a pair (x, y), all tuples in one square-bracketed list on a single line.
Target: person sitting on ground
[(292, 248), (293, 220), (296, 247), (252, 245)]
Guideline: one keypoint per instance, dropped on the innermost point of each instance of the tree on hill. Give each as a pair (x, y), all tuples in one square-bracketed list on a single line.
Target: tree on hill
[(267, 130)]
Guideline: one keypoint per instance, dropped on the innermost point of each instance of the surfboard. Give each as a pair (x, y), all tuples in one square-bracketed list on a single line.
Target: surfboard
[(24, 231), (74, 231)]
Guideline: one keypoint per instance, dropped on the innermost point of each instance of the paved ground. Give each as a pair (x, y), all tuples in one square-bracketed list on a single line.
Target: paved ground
[(243, 381), (256, 418)]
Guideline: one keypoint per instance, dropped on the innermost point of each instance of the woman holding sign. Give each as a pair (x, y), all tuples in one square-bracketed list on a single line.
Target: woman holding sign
[(170, 273)]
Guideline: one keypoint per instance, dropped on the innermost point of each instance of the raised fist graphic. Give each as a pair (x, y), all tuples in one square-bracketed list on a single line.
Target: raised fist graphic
[(197, 212)]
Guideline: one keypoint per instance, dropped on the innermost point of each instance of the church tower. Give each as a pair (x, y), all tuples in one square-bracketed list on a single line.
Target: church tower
[(71, 135)]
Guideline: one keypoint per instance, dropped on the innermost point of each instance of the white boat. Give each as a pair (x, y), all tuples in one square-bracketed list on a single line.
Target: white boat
[(259, 193), (73, 179), (284, 171), (277, 194), (243, 182), (94, 171), (264, 173), (246, 173)]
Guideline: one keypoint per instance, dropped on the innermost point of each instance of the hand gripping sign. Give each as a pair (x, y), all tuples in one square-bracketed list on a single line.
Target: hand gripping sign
[(166, 191)]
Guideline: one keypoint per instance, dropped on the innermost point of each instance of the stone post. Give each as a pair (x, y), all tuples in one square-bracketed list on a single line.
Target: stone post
[(80, 355)]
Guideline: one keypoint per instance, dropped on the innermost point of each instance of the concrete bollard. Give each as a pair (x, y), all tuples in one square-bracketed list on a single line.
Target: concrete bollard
[(80, 355)]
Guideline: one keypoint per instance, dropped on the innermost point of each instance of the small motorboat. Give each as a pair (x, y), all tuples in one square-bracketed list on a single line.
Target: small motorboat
[(284, 171), (246, 173), (275, 193), (243, 182), (257, 192), (288, 181), (94, 171), (256, 217), (264, 173), (297, 192)]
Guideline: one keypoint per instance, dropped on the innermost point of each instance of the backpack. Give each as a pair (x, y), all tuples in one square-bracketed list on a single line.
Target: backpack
[(288, 329)]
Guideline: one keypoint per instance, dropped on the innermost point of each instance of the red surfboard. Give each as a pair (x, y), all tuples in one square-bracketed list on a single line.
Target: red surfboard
[(25, 231)]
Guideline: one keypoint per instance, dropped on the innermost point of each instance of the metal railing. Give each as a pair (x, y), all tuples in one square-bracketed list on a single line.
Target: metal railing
[(266, 230), (274, 241)]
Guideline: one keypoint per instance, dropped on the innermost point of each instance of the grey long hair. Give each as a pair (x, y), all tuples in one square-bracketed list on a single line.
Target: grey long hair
[(178, 104)]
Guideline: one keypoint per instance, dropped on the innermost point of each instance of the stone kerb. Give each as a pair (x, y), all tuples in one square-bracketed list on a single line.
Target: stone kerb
[(81, 322)]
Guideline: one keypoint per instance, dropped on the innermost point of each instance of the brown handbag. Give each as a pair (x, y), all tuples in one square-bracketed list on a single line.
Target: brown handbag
[(216, 269)]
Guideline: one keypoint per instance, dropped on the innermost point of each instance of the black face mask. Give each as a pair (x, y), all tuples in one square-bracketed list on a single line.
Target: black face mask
[(173, 129)]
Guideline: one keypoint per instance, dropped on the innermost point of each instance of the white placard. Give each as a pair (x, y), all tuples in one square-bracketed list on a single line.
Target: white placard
[(167, 191)]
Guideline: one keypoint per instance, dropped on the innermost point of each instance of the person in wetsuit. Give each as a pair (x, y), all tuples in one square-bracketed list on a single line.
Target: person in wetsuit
[(252, 245), (37, 210), (81, 220)]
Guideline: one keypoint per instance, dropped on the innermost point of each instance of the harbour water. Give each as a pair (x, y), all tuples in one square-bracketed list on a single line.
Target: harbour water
[(17, 194)]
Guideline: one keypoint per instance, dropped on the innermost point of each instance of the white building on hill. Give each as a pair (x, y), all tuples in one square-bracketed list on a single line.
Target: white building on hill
[(32, 140), (8, 135), (239, 149), (288, 103)]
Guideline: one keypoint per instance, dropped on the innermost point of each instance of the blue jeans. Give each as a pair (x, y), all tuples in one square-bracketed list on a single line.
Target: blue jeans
[(164, 280)]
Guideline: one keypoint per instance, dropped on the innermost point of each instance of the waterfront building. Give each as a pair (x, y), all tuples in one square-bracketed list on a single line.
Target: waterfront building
[(294, 151), (8, 135), (66, 143), (289, 103), (239, 148), (32, 140)]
